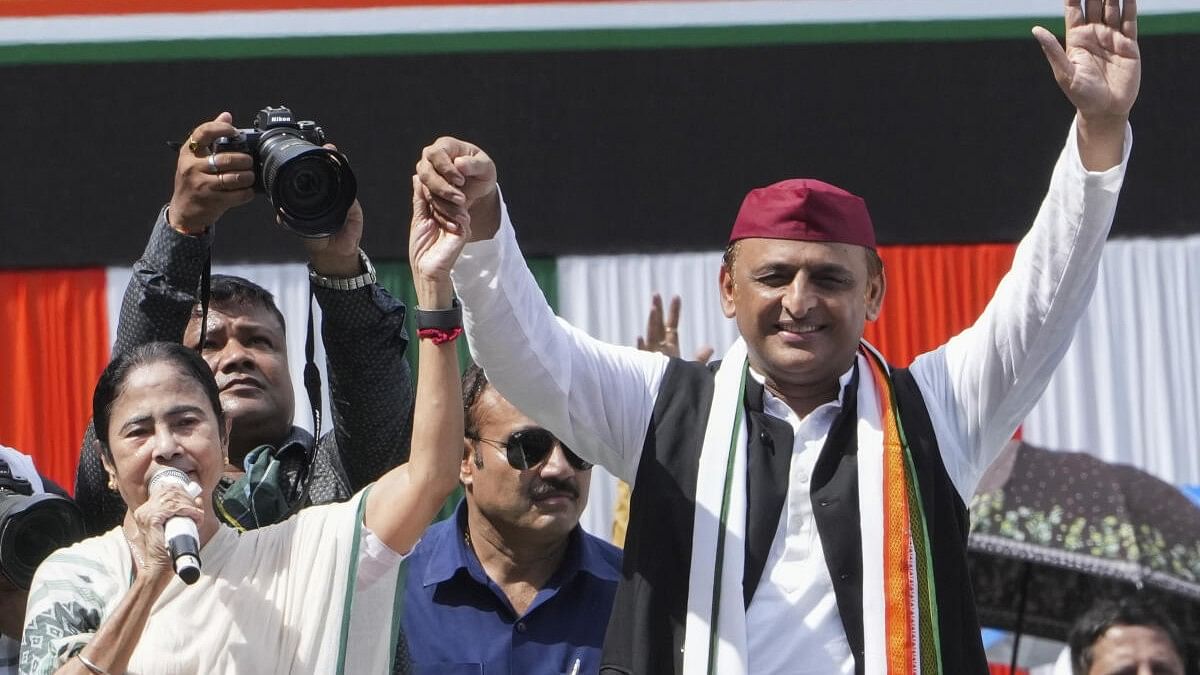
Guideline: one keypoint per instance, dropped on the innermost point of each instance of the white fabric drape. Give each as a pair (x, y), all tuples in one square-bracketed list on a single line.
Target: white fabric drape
[(289, 284), (1128, 389), (608, 297)]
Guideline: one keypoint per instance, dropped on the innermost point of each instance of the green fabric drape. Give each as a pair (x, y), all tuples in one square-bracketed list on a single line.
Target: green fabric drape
[(397, 278)]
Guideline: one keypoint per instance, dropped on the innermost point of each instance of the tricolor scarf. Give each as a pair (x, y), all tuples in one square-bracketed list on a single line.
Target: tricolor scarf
[(900, 626)]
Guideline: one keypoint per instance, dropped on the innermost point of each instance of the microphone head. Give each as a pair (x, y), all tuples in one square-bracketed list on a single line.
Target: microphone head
[(187, 566), (168, 475)]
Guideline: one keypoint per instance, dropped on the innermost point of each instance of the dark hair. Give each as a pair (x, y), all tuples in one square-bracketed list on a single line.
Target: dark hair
[(474, 383), (226, 290), (1106, 613), (874, 262), (730, 254), (112, 382)]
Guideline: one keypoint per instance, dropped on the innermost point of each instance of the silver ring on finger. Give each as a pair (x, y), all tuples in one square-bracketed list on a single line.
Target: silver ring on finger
[(212, 164)]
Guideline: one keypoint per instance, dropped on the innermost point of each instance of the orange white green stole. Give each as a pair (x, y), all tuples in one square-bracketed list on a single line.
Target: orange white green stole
[(899, 598), (912, 643)]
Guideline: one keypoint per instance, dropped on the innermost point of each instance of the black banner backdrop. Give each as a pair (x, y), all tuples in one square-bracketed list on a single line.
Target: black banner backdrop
[(600, 150)]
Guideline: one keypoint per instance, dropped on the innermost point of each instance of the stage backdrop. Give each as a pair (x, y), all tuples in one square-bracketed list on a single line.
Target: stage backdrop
[(619, 127)]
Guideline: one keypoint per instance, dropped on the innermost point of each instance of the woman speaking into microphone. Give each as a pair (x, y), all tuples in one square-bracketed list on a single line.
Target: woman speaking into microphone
[(313, 594)]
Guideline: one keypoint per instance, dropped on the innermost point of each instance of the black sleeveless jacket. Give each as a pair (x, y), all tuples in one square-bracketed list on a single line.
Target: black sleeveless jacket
[(646, 630)]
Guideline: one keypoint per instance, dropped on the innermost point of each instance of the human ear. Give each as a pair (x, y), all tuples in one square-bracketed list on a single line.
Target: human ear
[(466, 470), (876, 287), (108, 466), (725, 280)]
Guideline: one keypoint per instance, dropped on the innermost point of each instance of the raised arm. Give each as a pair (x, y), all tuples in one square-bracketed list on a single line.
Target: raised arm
[(1100, 71), (406, 499), (598, 398), (993, 373), (370, 383), (458, 179)]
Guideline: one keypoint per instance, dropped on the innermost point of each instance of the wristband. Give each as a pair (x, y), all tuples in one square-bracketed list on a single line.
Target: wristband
[(348, 283), (440, 325), (441, 319)]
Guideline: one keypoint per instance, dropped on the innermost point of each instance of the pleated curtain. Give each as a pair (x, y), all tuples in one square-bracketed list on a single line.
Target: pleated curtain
[(1126, 391), (53, 345)]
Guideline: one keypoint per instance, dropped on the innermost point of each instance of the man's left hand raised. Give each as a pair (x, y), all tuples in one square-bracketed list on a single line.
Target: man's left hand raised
[(1100, 71)]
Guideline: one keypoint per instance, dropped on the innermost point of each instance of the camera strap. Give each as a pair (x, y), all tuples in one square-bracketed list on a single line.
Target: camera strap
[(205, 290), (312, 374)]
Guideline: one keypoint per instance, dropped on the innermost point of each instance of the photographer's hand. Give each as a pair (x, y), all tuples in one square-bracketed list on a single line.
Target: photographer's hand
[(458, 179), (205, 188), (337, 255)]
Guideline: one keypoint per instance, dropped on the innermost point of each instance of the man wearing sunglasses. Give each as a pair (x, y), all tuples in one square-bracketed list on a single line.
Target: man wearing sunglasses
[(511, 583)]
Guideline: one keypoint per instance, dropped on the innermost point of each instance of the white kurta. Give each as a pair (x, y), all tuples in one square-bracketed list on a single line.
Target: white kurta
[(272, 600), (977, 387)]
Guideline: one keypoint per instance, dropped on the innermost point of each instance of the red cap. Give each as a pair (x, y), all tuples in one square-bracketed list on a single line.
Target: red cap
[(804, 209)]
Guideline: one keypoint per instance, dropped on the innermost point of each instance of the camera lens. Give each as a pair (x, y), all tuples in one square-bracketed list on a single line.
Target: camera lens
[(307, 185), (311, 187), (31, 528)]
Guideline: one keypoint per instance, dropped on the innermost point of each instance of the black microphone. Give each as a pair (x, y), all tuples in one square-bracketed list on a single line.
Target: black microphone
[(183, 540)]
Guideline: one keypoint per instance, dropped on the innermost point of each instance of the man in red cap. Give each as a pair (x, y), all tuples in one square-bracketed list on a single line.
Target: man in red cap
[(801, 509)]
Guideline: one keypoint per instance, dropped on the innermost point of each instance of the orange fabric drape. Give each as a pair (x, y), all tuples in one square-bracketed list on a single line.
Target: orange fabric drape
[(53, 345), (933, 293)]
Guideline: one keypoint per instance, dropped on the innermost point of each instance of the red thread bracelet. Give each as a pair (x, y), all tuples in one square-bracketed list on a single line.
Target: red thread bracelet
[(439, 335)]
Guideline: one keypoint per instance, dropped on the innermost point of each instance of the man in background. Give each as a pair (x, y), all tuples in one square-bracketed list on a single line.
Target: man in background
[(277, 467), (511, 582), (1126, 637)]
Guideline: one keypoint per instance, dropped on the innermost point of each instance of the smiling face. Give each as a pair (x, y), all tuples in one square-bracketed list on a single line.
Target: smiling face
[(247, 352), (546, 499), (801, 306), (162, 417)]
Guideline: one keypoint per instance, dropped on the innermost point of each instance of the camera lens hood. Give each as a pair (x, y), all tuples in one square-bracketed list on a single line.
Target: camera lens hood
[(310, 186), (31, 528)]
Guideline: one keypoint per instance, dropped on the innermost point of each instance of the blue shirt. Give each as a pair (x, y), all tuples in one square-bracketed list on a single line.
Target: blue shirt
[(458, 621)]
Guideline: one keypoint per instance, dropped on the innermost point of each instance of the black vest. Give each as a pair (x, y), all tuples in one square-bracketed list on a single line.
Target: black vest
[(646, 630)]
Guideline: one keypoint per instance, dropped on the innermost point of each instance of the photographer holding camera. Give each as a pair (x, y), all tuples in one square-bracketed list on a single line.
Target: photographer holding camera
[(277, 468)]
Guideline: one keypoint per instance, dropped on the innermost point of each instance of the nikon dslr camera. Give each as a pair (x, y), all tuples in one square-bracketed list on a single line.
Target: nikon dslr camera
[(311, 187)]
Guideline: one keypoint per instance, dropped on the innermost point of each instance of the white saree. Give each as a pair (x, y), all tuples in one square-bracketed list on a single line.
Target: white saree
[(289, 598)]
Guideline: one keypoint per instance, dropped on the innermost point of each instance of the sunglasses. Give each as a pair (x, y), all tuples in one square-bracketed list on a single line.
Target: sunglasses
[(527, 448)]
